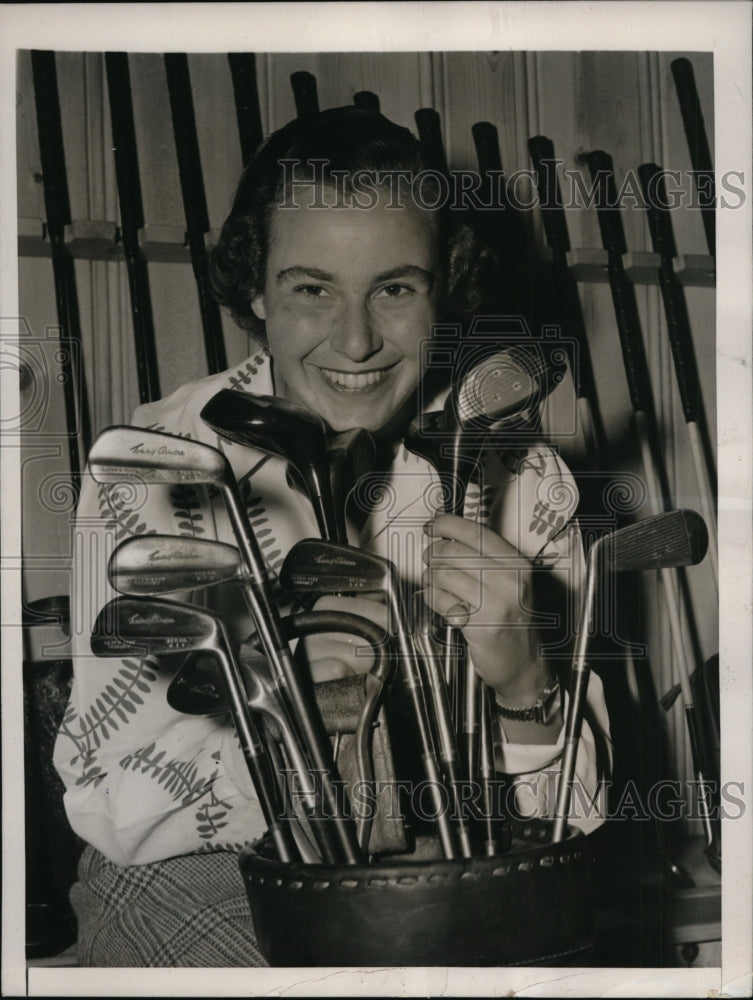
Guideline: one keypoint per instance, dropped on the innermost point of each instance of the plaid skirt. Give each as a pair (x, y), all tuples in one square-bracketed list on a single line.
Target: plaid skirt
[(186, 911)]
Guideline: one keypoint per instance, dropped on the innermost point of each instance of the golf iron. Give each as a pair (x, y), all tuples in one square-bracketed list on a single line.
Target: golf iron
[(676, 538), (137, 626)]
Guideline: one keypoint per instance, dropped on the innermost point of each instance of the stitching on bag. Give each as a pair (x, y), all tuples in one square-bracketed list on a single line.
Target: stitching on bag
[(435, 878)]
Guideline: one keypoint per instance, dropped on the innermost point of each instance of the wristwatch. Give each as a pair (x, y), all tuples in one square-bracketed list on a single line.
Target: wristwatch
[(547, 705)]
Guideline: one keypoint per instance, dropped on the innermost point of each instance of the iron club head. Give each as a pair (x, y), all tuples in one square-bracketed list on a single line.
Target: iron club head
[(152, 626), (675, 538), (155, 457), (149, 565), (332, 568)]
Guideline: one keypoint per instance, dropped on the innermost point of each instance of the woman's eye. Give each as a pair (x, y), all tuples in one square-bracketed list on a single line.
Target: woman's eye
[(394, 291), (312, 291)]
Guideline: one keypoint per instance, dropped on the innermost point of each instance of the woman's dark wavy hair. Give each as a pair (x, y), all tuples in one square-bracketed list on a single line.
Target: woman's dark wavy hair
[(351, 140)]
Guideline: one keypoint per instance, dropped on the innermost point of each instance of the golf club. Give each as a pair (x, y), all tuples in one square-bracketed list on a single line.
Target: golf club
[(676, 538), (150, 627), (328, 567), (155, 457), (279, 428), (499, 388)]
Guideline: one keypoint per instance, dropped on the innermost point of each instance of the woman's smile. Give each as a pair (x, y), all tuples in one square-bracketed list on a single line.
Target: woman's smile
[(355, 381)]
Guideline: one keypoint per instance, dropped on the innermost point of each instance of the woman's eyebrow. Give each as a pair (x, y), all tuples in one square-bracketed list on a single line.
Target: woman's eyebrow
[(406, 271), (297, 272)]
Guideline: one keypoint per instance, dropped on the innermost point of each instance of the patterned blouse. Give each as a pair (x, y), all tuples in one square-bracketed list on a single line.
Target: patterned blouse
[(143, 782)]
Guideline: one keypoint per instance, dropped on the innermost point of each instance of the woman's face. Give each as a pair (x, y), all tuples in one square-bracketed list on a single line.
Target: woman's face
[(349, 295)]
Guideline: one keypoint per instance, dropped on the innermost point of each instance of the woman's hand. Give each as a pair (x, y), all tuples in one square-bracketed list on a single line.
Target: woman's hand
[(481, 584), (333, 655)]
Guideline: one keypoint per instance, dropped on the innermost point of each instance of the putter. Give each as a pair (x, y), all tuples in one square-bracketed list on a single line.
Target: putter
[(155, 457), (330, 568), (197, 690), (150, 627), (677, 538), (495, 388), (279, 428)]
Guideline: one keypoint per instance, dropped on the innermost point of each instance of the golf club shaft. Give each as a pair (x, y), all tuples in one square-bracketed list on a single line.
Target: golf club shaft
[(255, 756), (467, 681), (304, 93), (246, 95), (429, 125), (698, 145), (339, 497), (305, 712), (570, 313), (306, 850), (268, 702), (445, 734), (487, 773), (58, 216), (194, 202), (681, 343), (416, 690), (131, 221), (577, 697)]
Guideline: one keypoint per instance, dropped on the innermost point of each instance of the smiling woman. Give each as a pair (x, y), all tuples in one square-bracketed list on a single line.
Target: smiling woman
[(345, 338)]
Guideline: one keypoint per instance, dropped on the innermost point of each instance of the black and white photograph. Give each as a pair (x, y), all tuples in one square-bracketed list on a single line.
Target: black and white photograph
[(376, 499)]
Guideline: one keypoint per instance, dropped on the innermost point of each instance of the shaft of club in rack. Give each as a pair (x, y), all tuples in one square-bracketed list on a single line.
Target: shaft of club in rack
[(343, 845)]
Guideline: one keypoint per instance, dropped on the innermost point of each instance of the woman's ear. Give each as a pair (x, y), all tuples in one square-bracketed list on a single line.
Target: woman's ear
[(257, 304)]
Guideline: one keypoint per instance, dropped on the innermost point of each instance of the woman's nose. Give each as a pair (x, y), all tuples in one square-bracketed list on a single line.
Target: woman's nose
[(354, 334)]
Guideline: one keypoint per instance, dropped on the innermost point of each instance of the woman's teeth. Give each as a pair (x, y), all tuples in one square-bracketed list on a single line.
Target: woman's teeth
[(350, 380)]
